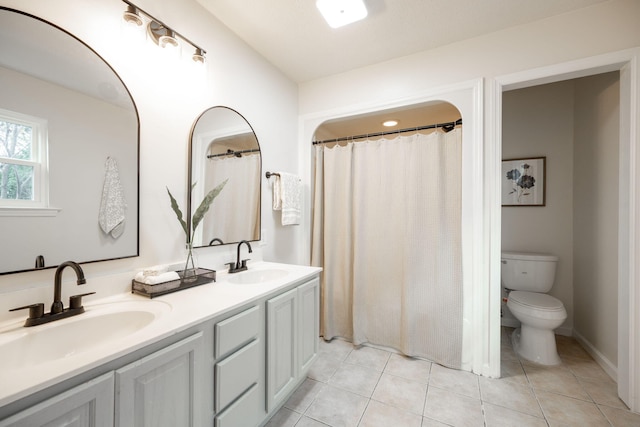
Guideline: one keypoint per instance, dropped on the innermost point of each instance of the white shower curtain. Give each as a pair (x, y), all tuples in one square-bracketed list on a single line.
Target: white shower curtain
[(387, 231), (234, 213)]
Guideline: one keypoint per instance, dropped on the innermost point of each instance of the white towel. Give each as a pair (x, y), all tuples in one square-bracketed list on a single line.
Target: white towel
[(156, 270), (155, 275), (161, 278), (112, 206), (287, 197), (276, 194)]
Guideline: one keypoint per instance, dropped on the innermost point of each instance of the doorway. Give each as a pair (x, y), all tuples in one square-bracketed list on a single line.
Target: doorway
[(623, 62), (467, 98), (574, 124)]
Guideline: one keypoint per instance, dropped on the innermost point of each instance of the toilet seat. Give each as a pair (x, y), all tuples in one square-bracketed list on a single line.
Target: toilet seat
[(536, 304), (528, 256), (536, 300)]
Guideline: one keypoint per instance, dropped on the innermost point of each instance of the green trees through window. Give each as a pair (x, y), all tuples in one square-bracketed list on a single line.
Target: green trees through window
[(17, 167)]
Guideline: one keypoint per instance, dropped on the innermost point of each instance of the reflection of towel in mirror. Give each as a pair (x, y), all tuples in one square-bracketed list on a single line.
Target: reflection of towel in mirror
[(112, 206), (287, 190)]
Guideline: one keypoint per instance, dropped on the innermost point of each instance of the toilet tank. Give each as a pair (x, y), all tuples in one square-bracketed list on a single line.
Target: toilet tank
[(531, 272)]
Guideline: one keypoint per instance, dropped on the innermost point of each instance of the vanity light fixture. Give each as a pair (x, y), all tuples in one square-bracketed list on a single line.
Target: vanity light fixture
[(338, 13), (390, 123), (163, 35)]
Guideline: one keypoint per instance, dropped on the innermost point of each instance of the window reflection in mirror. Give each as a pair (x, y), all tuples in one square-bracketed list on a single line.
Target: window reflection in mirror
[(224, 145), (23, 160), (48, 74)]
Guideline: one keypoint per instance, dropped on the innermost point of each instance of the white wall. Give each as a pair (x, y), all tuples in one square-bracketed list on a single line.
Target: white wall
[(599, 29), (595, 244), (169, 99), (538, 121)]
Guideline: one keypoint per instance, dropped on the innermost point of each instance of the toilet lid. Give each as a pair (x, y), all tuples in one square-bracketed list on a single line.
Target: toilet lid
[(536, 300)]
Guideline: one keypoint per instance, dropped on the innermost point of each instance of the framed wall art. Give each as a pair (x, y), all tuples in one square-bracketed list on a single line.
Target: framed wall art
[(523, 182)]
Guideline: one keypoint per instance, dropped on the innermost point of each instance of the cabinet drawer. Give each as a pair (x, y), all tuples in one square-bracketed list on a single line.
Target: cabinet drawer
[(236, 331), (237, 373), (246, 411)]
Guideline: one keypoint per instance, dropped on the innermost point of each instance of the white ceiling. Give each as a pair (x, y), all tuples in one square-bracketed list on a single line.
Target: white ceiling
[(293, 36)]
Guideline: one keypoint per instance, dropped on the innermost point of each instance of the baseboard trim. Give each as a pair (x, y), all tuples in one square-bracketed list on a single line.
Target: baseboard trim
[(605, 364)]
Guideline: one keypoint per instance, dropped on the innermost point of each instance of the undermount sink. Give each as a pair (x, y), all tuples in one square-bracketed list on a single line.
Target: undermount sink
[(252, 277), (99, 325)]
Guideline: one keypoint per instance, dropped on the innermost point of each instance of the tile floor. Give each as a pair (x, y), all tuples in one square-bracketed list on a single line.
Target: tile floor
[(367, 387)]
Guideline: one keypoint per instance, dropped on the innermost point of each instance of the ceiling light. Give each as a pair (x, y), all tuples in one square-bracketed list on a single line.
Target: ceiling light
[(341, 12), (390, 123), (131, 16)]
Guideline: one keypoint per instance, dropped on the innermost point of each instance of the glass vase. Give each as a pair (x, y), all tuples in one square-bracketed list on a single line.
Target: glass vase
[(190, 272)]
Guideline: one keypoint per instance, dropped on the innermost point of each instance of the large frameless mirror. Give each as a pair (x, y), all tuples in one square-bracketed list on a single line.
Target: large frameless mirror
[(69, 146), (224, 146)]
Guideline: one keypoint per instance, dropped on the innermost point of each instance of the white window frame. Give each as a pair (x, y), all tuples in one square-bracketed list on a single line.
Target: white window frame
[(40, 162)]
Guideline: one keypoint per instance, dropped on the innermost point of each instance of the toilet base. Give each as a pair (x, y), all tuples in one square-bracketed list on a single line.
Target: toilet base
[(536, 345)]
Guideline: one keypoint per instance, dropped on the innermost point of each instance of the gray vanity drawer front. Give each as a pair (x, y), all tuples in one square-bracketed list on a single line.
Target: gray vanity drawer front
[(237, 330), (246, 411), (237, 373)]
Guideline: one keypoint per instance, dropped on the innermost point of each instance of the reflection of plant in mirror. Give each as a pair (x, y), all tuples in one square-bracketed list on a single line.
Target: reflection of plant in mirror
[(195, 220)]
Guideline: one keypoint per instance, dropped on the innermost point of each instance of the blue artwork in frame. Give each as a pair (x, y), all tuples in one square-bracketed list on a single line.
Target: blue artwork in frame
[(523, 182)]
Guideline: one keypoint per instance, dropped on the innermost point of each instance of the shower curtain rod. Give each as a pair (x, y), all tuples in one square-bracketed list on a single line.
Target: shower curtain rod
[(446, 126), (233, 153)]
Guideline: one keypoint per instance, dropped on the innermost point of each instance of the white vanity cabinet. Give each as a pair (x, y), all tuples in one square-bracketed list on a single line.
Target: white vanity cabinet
[(292, 339), (163, 388), (88, 404), (231, 368)]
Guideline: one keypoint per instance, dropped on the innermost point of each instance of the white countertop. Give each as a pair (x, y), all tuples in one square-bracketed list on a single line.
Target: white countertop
[(175, 312)]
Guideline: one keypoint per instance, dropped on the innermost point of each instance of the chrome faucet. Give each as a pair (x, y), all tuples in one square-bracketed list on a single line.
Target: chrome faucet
[(239, 265), (57, 306), (37, 315)]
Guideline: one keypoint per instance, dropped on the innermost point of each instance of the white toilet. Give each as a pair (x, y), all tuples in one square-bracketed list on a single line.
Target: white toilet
[(527, 276)]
